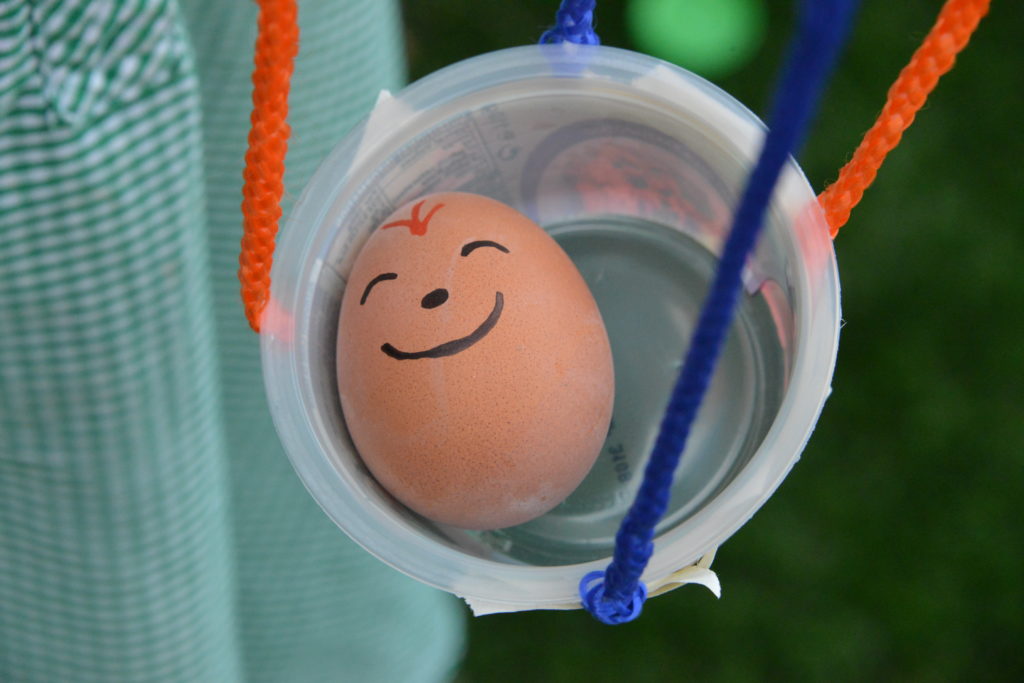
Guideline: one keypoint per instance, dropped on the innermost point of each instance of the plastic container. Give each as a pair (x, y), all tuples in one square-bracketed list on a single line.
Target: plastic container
[(633, 165)]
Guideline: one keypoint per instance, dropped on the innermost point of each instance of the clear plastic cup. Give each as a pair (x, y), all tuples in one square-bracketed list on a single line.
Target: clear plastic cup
[(634, 166)]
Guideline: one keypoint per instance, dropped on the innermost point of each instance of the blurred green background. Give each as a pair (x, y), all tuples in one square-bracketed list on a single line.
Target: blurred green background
[(891, 552)]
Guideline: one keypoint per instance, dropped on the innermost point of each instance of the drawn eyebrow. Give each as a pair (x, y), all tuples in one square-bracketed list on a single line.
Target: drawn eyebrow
[(379, 278), (482, 243)]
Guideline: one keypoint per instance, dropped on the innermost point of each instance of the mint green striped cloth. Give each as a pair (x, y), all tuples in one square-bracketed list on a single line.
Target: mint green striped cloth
[(151, 529)]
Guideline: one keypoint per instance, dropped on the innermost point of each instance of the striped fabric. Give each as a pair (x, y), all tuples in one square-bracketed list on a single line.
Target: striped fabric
[(150, 527)]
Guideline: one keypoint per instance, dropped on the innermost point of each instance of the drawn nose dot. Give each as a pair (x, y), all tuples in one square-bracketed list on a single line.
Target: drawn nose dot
[(435, 298)]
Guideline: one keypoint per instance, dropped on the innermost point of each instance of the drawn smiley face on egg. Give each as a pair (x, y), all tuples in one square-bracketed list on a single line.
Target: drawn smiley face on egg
[(474, 368)]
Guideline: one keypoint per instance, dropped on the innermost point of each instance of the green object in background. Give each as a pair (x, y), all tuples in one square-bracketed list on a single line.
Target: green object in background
[(713, 38)]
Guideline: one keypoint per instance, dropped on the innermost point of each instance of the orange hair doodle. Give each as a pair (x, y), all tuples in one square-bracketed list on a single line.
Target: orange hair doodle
[(416, 225)]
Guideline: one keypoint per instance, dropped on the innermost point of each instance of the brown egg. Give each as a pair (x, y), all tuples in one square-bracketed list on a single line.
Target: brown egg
[(473, 365)]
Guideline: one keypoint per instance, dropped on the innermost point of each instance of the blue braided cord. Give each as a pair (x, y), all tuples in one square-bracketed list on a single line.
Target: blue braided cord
[(823, 27), (574, 23)]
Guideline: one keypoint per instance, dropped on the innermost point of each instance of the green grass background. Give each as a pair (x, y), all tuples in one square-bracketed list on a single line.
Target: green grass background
[(894, 550)]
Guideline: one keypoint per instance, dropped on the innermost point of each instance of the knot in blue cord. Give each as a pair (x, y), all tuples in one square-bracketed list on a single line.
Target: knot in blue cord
[(574, 23), (607, 609)]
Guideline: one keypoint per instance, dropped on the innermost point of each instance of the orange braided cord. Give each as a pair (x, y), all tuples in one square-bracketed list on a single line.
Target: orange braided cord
[(933, 58), (277, 43)]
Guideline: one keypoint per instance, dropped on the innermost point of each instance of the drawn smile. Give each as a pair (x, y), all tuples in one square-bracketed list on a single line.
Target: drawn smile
[(450, 348)]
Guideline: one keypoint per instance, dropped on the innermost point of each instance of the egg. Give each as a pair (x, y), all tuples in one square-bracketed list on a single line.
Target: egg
[(474, 368)]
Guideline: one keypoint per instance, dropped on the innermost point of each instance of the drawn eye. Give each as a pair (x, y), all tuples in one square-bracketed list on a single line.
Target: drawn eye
[(467, 249), (380, 278)]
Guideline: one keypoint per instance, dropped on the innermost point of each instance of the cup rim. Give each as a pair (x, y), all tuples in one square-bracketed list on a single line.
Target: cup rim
[(343, 494)]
